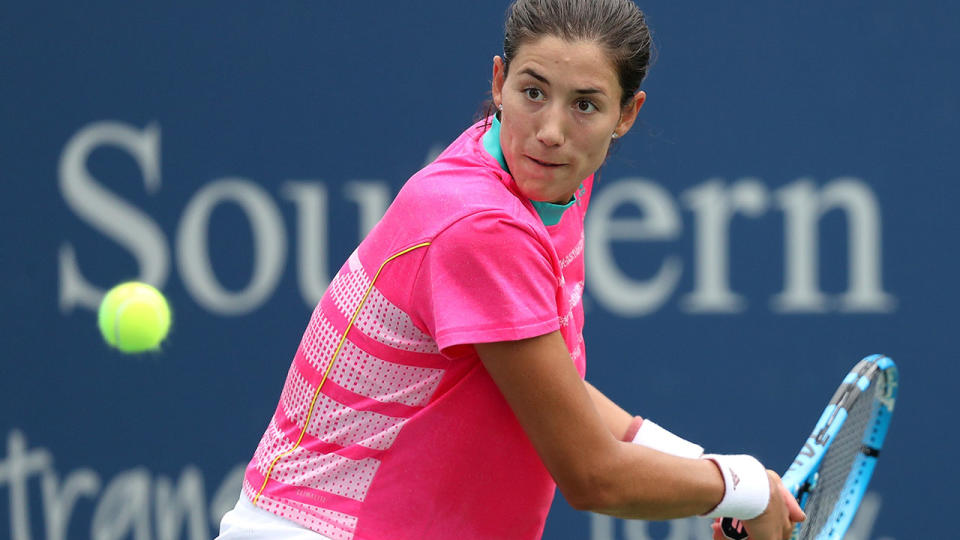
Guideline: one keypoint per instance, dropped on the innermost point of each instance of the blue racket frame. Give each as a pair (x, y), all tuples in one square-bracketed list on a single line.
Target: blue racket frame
[(802, 476)]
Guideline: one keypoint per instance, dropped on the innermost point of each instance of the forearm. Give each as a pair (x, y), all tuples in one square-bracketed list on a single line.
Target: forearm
[(594, 469), (674, 474), (646, 484), (625, 427), (616, 418)]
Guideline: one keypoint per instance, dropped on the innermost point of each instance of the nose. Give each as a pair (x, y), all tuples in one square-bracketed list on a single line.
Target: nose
[(551, 129)]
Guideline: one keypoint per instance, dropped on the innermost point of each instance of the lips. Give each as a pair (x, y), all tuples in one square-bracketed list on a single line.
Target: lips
[(543, 163)]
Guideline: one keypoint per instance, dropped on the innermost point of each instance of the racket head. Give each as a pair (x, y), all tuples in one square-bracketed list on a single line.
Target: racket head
[(830, 474)]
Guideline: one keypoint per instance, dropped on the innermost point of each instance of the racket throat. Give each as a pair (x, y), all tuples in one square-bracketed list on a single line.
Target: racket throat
[(804, 491)]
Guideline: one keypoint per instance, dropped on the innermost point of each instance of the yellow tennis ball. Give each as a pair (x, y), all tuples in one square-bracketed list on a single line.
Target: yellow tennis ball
[(134, 317)]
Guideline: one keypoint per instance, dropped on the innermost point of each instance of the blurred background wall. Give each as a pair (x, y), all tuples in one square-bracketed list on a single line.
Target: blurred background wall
[(785, 206)]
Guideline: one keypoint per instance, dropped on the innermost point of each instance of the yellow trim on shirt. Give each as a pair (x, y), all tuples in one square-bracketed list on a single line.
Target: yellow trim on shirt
[(336, 354)]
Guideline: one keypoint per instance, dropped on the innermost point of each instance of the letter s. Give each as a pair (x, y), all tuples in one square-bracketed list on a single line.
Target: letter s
[(108, 213)]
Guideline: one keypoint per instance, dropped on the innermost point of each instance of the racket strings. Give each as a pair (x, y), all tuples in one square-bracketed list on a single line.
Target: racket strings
[(838, 463)]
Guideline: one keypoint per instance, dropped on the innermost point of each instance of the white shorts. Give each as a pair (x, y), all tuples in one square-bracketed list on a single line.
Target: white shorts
[(247, 522)]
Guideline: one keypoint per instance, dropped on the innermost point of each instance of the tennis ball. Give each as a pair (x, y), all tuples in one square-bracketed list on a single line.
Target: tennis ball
[(134, 317)]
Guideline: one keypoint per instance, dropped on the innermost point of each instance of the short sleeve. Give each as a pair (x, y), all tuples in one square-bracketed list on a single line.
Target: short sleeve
[(487, 278)]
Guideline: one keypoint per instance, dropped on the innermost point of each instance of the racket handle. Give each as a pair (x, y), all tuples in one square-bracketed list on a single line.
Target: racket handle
[(733, 529)]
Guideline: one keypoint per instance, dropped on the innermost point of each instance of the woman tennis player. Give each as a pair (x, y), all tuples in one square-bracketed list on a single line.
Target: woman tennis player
[(438, 390)]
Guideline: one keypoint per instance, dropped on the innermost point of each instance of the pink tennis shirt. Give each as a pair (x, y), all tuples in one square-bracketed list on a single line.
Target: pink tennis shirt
[(388, 426)]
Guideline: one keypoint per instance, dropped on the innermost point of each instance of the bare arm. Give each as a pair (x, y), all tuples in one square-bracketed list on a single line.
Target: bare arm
[(593, 469), (616, 419)]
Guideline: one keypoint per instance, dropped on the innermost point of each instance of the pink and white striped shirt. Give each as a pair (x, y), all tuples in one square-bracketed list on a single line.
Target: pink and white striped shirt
[(388, 426)]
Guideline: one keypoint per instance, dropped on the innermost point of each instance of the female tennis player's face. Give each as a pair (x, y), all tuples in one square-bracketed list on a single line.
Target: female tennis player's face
[(561, 106)]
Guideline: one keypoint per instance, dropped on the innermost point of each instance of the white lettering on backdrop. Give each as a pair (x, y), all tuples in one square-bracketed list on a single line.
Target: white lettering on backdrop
[(137, 504), (133, 504), (655, 218)]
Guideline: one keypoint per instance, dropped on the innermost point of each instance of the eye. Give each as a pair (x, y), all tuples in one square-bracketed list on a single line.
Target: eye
[(585, 106), (534, 94)]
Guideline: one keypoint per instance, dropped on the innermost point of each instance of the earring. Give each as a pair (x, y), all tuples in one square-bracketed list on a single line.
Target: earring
[(500, 107), (615, 135)]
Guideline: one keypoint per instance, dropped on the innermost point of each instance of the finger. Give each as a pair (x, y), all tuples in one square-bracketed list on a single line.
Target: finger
[(717, 535), (794, 512)]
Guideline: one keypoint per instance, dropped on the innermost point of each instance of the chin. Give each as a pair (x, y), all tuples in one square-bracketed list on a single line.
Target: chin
[(544, 193), (529, 190)]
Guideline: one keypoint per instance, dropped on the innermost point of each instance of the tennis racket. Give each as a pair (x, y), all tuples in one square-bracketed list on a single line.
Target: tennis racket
[(830, 474)]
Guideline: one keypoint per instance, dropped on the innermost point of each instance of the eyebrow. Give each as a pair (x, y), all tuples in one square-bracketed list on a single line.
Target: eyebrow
[(541, 78)]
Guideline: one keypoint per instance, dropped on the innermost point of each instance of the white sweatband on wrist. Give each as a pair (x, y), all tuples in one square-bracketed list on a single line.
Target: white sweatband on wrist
[(653, 436), (746, 487)]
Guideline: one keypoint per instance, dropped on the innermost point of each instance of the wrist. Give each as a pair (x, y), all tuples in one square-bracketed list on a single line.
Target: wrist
[(746, 487), (647, 433)]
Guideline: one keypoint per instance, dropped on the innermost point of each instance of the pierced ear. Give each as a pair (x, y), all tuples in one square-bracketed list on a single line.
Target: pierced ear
[(496, 86), (629, 114)]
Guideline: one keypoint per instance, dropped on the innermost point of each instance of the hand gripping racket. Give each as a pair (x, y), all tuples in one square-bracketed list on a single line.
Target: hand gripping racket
[(830, 474)]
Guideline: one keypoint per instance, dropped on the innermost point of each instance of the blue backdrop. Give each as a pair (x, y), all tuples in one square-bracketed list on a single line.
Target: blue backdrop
[(784, 207)]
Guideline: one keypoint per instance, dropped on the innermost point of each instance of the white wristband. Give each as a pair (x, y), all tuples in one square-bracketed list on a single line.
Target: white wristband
[(653, 436), (746, 487)]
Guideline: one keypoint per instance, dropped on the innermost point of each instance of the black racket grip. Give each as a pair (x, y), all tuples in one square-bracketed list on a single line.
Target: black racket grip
[(733, 529)]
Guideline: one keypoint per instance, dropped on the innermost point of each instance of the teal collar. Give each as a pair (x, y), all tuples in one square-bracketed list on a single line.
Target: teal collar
[(491, 143), (550, 213)]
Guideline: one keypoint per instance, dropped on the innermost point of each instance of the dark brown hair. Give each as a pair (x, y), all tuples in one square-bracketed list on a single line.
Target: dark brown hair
[(617, 25)]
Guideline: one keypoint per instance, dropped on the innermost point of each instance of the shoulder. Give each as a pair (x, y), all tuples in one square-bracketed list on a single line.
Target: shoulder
[(463, 184), (494, 231)]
